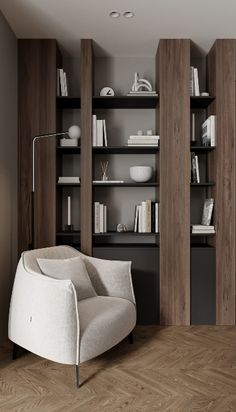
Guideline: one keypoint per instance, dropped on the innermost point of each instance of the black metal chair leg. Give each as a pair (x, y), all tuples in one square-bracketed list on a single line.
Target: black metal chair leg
[(131, 338), (77, 375)]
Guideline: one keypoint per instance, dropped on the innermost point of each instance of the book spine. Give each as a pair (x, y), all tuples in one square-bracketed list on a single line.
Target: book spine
[(135, 218), (144, 217), (139, 218), (105, 218), (62, 82), (105, 132), (197, 169), (65, 84), (149, 216), (156, 217), (101, 220), (196, 82), (96, 217), (191, 82), (193, 128), (94, 130)]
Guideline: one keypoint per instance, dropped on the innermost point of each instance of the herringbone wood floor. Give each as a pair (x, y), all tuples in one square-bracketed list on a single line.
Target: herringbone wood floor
[(166, 369)]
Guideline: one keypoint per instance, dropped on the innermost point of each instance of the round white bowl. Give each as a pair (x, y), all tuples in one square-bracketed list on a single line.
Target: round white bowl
[(140, 173)]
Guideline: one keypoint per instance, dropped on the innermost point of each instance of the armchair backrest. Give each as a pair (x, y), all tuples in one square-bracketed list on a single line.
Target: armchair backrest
[(57, 252)]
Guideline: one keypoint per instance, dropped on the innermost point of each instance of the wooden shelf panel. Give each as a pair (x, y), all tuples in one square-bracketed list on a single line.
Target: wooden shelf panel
[(125, 102), (125, 150), (201, 102), (66, 102), (201, 149), (152, 184)]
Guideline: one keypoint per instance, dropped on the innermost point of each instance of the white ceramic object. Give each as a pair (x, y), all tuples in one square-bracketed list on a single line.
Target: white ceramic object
[(140, 173), (74, 132), (107, 91)]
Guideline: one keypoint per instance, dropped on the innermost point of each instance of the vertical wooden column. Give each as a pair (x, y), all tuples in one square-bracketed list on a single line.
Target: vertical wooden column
[(173, 59), (37, 115), (221, 83), (86, 144)]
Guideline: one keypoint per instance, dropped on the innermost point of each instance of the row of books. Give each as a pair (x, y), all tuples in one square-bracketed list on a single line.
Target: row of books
[(147, 140), (194, 82), (209, 131), (195, 174), (99, 132), (100, 218), (146, 217), (62, 87)]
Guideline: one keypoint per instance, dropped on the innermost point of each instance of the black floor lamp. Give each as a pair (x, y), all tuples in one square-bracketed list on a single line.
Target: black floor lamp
[(72, 133)]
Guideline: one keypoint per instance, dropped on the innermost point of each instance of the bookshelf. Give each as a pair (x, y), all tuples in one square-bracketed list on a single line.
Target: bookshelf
[(174, 270)]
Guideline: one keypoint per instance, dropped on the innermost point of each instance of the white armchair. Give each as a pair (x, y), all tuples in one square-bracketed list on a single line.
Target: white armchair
[(47, 319)]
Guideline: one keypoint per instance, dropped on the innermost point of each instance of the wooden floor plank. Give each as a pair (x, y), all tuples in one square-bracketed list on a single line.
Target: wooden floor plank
[(166, 369)]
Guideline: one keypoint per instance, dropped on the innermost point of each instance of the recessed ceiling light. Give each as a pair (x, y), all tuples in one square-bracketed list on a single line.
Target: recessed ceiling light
[(128, 14), (114, 14)]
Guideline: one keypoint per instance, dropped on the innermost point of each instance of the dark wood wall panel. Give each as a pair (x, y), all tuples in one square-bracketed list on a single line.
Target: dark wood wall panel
[(221, 83), (86, 57), (37, 115), (173, 72)]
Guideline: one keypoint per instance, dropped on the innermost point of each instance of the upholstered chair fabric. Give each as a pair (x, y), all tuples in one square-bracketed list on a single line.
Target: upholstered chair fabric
[(49, 318)]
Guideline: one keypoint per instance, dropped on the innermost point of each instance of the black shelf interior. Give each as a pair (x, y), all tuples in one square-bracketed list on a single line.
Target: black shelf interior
[(68, 184), (201, 102), (125, 245), (66, 102), (125, 150), (125, 102), (126, 233), (68, 233), (68, 150), (201, 149), (205, 184)]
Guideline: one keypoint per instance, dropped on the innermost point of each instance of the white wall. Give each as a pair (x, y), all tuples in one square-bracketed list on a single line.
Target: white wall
[(8, 168)]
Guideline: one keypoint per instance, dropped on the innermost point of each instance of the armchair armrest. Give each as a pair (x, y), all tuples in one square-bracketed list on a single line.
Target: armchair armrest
[(43, 316), (111, 277)]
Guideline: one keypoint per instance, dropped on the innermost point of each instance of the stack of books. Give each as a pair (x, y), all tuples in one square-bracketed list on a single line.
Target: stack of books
[(209, 131), (195, 168), (62, 88), (142, 93), (99, 132), (194, 82), (147, 140), (100, 218), (69, 179), (146, 217), (203, 229)]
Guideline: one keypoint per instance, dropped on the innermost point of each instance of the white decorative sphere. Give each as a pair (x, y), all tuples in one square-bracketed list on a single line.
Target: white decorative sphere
[(74, 132), (140, 173), (107, 91)]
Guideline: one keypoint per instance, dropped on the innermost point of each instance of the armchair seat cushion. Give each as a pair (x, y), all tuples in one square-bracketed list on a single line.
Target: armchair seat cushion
[(104, 321)]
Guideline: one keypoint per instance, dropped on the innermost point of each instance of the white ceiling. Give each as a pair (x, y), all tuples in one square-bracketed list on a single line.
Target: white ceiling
[(70, 20)]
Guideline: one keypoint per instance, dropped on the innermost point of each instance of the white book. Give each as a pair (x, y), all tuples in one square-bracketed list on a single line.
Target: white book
[(105, 182), (196, 82), (191, 81), (137, 137), (139, 218), (105, 218), (96, 217), (105, 132), (68, 179), (65, 84), (136, 218), (99, 133), (197, 169), (94, 130), (156, 217), (101, 218), (62, 82), (148, 216), (207, 211), (212, 130), (142, 144), (144, 216), (203, 227), (206, 132)]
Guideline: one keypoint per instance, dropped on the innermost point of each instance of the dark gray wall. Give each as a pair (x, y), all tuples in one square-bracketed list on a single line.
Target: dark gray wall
[(8, 168)]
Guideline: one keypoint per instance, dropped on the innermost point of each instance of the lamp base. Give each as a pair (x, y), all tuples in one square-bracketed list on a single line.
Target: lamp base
[(69, 228)]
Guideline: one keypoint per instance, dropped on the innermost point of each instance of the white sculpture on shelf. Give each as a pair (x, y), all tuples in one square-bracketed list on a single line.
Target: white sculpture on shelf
[(141, 87), (72, 140)]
